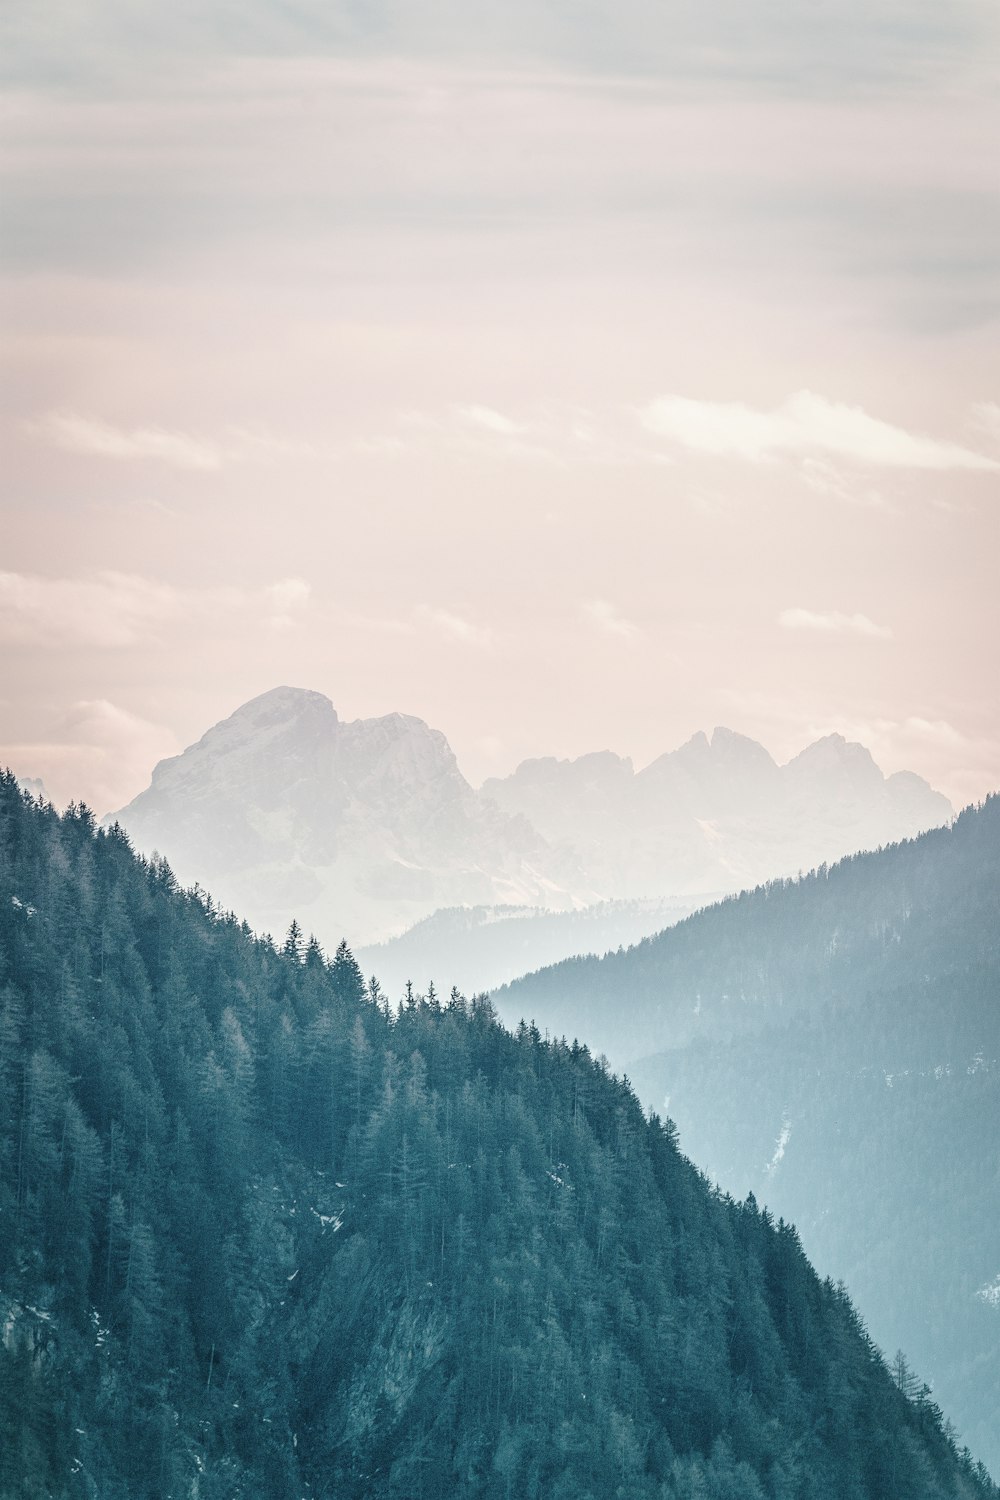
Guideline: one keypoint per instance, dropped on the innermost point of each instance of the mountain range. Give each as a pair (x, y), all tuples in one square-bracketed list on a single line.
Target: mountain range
[(365, 828)]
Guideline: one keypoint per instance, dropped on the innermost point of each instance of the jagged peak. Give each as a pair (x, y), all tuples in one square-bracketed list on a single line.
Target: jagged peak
[(834, 749), (397, 723), (252, 725), (279, 705), (539, 767), (284, 693), (729, 742), (694, 751), (698, 744), (404, 740)]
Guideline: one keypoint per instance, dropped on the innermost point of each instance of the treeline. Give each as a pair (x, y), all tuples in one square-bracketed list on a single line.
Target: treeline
[(833, 1045), (265, 1235), (872, 921)]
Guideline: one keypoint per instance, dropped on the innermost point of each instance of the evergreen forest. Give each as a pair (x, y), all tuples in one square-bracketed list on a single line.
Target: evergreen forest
[(265, 1234), (832, 1044)]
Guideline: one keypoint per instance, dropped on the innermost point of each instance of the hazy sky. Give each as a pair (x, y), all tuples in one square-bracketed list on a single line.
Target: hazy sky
[(571, 375)]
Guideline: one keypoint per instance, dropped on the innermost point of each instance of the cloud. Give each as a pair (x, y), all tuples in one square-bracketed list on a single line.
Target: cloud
[(111, 610), (108, 609), (287, 599), (826, 479), (491, 420), (479, 431), (261, 442), (456, 627), (804, 423), (986, 416), (833, 623), (87, 435), (607, 619), (377, 624), (553, 433), (850, 46), (938, 731), (94, 745)]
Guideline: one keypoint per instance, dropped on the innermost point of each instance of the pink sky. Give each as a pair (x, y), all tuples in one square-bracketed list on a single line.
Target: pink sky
[(565, 405)]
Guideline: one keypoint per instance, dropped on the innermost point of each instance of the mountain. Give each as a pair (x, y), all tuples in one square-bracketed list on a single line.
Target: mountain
[(284, 811), (833, 1045), (369, 827), (718, 814), (479, 948), (263, 1237)]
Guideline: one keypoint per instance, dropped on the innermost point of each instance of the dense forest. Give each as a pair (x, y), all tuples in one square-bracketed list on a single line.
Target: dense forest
[(265, 1235), (833, 1045)]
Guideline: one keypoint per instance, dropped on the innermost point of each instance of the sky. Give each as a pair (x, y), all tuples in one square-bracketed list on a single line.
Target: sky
[(572, 376)]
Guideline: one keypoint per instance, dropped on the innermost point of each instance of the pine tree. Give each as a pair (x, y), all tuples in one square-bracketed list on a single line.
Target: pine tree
[(292, 948), (348, 980)]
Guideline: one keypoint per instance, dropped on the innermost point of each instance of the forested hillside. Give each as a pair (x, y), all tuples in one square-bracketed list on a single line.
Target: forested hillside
[(262, 1237), (833, 1045)]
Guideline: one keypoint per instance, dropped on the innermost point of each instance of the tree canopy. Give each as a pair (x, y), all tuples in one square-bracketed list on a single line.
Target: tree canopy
[(265, 1236)]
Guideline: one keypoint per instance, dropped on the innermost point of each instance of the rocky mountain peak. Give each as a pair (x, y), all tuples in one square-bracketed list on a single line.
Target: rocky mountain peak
[(834, 757)]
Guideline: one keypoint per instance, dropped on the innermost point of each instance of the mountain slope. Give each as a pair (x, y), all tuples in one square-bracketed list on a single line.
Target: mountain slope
[(833, 1045), (261, 1237)]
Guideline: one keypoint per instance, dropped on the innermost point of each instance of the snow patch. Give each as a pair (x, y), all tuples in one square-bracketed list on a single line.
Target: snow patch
[(990, 1293), (784, 1137), (328, 1221)]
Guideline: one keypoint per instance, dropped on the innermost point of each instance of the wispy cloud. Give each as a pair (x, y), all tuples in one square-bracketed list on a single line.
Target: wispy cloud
[(97, 439), (111, 609), (478, 431), (92, 437), (856, 46), (552, 433), (106, 609), (93, 745), (287, 599), (805, 423), (608, 620), (832, 623), (491, 420), (826, 479), (939, 731), (986, 416), (455, 627)]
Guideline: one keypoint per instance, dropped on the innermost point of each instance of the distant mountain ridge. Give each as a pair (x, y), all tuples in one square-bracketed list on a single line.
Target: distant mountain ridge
[(482, 947), (365, 828), (719, 813), (832, 1044)]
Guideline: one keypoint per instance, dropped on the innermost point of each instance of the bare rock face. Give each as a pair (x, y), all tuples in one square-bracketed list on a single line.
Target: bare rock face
[(362, 829)]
